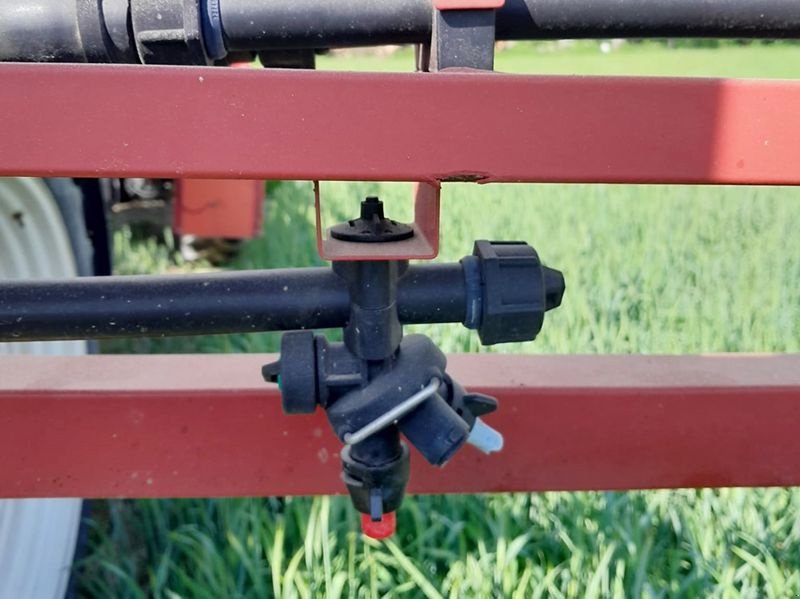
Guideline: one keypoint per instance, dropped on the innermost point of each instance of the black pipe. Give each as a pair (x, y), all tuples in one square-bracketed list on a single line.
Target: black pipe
[(575, 19), (92, 31), (258, 25), (152, 306), (40, 31), (432, 294), (66, 31)]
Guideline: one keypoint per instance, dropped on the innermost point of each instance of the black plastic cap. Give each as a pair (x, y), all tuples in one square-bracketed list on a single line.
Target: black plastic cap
[(554, 287), (516, 291), (296, 373)]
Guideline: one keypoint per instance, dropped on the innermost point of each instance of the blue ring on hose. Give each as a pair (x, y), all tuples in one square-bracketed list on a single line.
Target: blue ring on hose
[(472, 283), (211, 24)]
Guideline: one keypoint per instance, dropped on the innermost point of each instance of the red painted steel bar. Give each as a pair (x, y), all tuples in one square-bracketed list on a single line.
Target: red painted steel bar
[(169, 426), (99, 120)]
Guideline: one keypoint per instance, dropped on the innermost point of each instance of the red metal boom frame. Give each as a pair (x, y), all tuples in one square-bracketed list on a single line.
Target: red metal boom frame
[(180, 426), (96, 120), (150, 426)]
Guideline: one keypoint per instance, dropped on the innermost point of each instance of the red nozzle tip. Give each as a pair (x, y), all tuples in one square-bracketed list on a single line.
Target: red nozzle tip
[(382, 529)]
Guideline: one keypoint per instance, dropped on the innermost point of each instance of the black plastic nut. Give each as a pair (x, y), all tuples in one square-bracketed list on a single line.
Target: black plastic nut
[(168, 32), (516, 291)]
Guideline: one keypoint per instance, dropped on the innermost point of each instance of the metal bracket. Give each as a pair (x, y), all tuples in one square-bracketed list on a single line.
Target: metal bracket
[(424, 245), (463, 35)]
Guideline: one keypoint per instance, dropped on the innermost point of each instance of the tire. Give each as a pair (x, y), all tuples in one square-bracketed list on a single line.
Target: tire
[(42, 235)]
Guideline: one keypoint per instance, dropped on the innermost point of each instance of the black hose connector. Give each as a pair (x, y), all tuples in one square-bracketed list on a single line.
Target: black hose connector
[(516, 291)]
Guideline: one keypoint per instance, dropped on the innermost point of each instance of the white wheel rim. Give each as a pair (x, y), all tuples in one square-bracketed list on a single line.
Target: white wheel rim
[(37, 536)]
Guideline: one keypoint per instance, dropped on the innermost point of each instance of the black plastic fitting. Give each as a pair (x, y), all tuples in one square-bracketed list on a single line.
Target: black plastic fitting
[(354, 393), (377, 385), (416, 362), (296, 373), (376, 487), (340, 381), (436, 430), (373, 330), (516, 291), (372, 226), (169, 31)]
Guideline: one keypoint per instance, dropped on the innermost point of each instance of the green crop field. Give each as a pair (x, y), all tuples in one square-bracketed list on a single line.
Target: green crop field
[(650, 269)]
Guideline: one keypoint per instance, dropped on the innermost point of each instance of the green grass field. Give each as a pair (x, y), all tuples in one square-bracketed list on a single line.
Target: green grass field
[(650, 269), (648, 58)]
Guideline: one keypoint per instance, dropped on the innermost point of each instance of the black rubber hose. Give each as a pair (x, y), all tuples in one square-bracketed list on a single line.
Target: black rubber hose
[(152, 306)]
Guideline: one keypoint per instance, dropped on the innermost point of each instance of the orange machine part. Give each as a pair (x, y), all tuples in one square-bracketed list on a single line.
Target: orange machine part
[(229, 208)]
